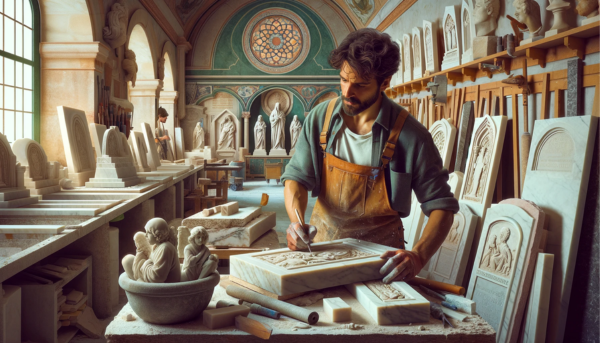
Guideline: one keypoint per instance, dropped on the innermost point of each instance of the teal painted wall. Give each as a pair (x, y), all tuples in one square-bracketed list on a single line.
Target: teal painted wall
[(229, 57)]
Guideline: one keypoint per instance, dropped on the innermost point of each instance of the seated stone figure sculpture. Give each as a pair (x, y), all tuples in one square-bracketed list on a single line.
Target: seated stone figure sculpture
[(158, 264), (198, 262)]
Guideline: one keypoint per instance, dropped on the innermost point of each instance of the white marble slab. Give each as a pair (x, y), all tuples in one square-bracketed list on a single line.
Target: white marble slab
[(139, 149), (90, 196), (97, 134), (536, 318), (430, 46), (242, 236), (31, 229), (217, 221), (560, 155), (151, 153), (452, 33), (450, 262), (139, 188), (293, 279), (78, 144), (413, 308), (179, 143), (23, 211), (504, 265)]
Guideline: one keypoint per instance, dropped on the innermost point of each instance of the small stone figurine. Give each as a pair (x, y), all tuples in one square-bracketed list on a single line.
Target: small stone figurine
[(198, 262), (156, 259)]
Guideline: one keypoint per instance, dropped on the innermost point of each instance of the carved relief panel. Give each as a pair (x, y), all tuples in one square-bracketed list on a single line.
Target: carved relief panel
[(78, 144), (480, 160), (38, 162), (111, 143), (417, 52), (430, 46), (444, 135), (451, 31), (407, 57), (555, 152), (468, 30), (8, 164)]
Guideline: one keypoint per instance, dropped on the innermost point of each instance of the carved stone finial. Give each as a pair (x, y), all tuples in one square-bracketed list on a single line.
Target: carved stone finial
[(130, 66), (115, 31)]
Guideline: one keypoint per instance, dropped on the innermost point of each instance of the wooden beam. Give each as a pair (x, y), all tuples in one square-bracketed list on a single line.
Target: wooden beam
[(596, 105), (545, 96), (470, 73), (477, 102), (504, 63), (485, 70), (395, 14), (559, 103), (453, 77), (502, 102), (538, 55), (576, 44)]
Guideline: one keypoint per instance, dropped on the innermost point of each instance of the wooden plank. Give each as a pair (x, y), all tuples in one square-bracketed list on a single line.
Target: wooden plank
[(515, 137), (538, 55), (576, 44), (596, 105), (477, 102), (545, 97), (559, 103)]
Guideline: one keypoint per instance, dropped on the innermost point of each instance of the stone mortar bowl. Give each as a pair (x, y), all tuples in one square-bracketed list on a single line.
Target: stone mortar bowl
[(169, 303)]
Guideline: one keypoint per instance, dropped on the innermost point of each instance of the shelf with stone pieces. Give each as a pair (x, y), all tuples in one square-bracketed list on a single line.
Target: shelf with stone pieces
[(20, 261), (574, 39)]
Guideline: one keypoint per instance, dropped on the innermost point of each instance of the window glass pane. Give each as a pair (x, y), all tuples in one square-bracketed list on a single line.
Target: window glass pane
[(18, 125), (19, 74), (1, 31), (1, 69), (19, 99), (19, 10), (9, 8), (9, 35), (27, 17), (27, 44), (28, 125), (9, 98), (9, 72), (27, 76), (2, 119), (9, 125), (1, 96), (28, 101), (19, 40)]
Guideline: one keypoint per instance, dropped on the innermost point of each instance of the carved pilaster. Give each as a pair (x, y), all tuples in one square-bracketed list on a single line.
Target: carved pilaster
[(246, 116)]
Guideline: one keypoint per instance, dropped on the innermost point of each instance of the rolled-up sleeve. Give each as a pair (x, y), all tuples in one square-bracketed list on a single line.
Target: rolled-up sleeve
[(430, 180), (301, 167)]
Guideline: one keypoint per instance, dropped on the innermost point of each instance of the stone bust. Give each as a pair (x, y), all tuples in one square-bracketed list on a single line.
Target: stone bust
[(587, 8), (528, 13), (156, 259), (485, 15)]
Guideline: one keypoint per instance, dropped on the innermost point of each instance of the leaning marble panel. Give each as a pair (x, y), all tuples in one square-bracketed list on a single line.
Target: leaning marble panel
[(394, 303), (78, 144), (41, 176), (330, 264), (504, 265), (561, 156), (451, 30)]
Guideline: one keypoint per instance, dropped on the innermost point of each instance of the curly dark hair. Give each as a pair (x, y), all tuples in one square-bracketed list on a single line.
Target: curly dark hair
[(371, 53)]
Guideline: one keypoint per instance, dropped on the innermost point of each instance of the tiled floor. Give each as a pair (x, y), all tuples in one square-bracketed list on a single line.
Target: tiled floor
[(251, 196)]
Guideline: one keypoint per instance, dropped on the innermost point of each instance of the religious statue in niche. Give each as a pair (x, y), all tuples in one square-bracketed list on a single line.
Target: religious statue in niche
[(260, 129), (417, 51), (130, 66), (450, 30), (455, 232), (277, 119), (295, 128), (478, 173), (227, 132), (115, 31), (467, 30), (498, 255), (384, 291), (407, 52), (156, 259), (198, 261), (485, 14), (528, 13), (295, 259), (198, 137), (428, 46)]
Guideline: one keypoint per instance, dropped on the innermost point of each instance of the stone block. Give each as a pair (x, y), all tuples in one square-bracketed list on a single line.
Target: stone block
[(484, 46), (218, 221), (242, 236)]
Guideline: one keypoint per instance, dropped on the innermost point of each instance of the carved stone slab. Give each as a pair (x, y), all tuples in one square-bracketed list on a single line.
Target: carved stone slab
[(78, 144), (430, 46), (218, 221), (396, 303), (451, 30), (398, 77), (242, 236), (465, 131), (41, 176), (450, 262), (443, 134), (140, 151), (504, 265), (417, 47), (561, 155), (179, 143), (334, 263), (467, 29), (97, 134), (536, 317), (152, 154), (12, 190), (407, 57)]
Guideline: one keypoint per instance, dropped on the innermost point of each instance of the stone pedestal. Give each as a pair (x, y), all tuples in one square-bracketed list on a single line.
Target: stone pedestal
[(278, 152), (558, 8), (143, 97), (259, 152), (114, 172), (483, 46), (208, 153), (246, 116), (69, 72), (531, 39), (590, 20)]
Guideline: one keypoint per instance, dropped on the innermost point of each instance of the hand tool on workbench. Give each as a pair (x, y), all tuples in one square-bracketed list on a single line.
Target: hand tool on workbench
[(302, 223), (438, 313), (445, 302)]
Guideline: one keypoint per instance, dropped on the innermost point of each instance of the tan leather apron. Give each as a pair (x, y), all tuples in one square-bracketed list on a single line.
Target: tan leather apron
[(353, 202)]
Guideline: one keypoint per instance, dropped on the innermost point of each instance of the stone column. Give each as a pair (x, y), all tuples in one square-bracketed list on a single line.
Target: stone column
[(246, 116), (183, 46), (69, 73), (144, 99)]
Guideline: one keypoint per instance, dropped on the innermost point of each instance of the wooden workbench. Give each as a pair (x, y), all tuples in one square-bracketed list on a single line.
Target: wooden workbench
[(473, 329)]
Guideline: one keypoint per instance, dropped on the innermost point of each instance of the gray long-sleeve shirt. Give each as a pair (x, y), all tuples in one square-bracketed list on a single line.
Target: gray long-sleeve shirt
[(416, 164)]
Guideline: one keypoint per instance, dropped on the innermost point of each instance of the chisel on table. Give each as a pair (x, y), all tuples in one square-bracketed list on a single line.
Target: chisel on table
[(302, 223)]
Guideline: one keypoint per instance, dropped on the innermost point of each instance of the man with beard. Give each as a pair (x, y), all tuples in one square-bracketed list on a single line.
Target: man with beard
[(362, 155)]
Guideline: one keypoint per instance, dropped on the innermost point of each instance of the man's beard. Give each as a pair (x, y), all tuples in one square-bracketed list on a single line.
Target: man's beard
[(358, 106)]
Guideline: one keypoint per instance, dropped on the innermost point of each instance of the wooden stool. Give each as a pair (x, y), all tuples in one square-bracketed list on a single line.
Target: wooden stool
[(273, 171)]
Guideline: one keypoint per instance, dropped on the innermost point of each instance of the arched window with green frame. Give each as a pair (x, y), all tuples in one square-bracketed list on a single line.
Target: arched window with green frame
[(19, 69)]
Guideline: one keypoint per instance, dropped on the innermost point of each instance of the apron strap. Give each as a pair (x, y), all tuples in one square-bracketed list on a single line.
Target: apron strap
[(390, 145), (328, 114)]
